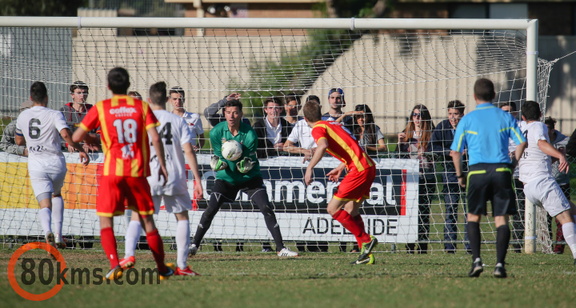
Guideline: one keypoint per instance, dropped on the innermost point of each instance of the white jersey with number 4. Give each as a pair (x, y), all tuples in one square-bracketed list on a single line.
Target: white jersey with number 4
[(174, 132), (534, 163), (41, 128)]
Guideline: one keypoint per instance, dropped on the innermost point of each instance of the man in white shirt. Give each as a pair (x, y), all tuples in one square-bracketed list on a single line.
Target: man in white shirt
[(272, 130), (540, 187), (177, 99), (40, 128), (300, 140)]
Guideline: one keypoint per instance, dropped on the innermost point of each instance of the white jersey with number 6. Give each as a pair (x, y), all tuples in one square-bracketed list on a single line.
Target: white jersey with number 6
[(41, 128), (174, 133), (534, 164)]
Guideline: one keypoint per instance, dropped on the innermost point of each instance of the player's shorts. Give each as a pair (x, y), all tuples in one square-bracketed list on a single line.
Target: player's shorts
[(547, 193), (494, 183), (173, 204), (116, 192), (356, 185), (229, 191), (43, 182)]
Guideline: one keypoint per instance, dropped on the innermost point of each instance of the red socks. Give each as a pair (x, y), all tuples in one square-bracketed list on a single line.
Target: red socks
[(157, 248), (353, 224), (108, 242)]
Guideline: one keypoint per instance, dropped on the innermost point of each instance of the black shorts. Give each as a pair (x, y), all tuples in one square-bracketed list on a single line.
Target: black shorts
[(229, 191), (494, 183)]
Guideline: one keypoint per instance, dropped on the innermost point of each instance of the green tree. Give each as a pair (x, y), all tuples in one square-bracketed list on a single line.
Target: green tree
[(296, 71)]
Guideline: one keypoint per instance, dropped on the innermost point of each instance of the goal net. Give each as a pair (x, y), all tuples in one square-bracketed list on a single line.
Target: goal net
[(389, 65)]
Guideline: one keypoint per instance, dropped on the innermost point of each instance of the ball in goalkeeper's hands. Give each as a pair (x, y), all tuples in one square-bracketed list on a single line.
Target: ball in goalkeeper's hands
[(231, 150)]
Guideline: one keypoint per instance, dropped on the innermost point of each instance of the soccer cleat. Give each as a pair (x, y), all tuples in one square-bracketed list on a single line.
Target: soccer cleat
[(127, 262), (500, 271), (185, 272), (193, 249), (169, 272), (50, 239), (367, 248), (477, 268), (115, 273), (59, 241), (285, 252), (369, 259)]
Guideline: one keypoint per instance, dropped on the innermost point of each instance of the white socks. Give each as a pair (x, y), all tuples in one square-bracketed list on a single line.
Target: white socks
[(569, 229), (131, 238), (58, 215), (45, 217), (182, 243)]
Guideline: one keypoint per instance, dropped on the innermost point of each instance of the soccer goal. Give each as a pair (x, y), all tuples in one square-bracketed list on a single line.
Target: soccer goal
[(391, 65)]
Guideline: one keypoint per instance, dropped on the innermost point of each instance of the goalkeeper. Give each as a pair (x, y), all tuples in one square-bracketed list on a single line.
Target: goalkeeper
[(241, 175)]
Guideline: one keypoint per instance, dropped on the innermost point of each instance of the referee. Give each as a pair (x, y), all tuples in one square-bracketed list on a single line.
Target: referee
[(484, 133)]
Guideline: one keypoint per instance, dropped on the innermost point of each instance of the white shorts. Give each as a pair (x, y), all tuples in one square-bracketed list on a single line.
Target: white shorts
[(43, 182), (174, 204), (547, 193)]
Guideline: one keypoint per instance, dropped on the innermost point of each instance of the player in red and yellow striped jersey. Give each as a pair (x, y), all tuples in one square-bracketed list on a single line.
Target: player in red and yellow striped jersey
[(126, 124), (331, 137)]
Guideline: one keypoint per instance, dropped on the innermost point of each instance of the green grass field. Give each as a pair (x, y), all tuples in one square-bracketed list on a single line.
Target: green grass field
[(254, 279)]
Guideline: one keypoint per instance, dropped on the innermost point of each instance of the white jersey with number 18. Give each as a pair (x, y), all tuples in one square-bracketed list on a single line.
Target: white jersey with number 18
[(41, 128)]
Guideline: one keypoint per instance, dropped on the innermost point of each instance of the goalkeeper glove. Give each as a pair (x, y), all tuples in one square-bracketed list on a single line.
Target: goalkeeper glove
[(217, 164), (245, 165)]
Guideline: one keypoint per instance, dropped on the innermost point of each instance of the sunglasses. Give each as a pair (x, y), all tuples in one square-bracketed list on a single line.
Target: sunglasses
[(417, 115)]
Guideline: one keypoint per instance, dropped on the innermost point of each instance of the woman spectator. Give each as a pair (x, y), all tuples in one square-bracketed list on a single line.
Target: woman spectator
[(414, 141), (365, 131)]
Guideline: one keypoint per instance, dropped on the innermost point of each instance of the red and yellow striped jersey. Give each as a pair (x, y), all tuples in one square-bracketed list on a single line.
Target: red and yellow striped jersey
[(124, 122), (342, 145)]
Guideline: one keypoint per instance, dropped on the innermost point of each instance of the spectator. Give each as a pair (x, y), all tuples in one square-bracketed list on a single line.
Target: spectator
[(365, 130), (571, 146), (177, 98), (8, 144), (414, 141), (336, 102), (441, 141), (300, 140), (559, 142), (292, 107), (272, 130), (75, 111)]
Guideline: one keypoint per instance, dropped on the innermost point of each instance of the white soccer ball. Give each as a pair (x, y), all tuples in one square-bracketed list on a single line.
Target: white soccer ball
[(231, 150)]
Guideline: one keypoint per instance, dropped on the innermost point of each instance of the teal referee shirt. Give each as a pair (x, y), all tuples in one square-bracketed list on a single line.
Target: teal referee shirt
[(485, 133)]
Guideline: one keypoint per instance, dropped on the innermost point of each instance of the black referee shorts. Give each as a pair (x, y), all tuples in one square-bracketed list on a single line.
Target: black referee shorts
[(494, 183)]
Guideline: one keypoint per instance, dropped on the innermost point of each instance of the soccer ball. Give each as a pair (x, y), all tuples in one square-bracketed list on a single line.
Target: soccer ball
[(231, 150)]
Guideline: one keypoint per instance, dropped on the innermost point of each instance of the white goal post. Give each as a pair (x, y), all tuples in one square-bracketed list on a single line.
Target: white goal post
[(388, 64)]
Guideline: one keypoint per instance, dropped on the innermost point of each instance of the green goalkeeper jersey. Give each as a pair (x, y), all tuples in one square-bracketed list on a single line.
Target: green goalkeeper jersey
[(249, 141)]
